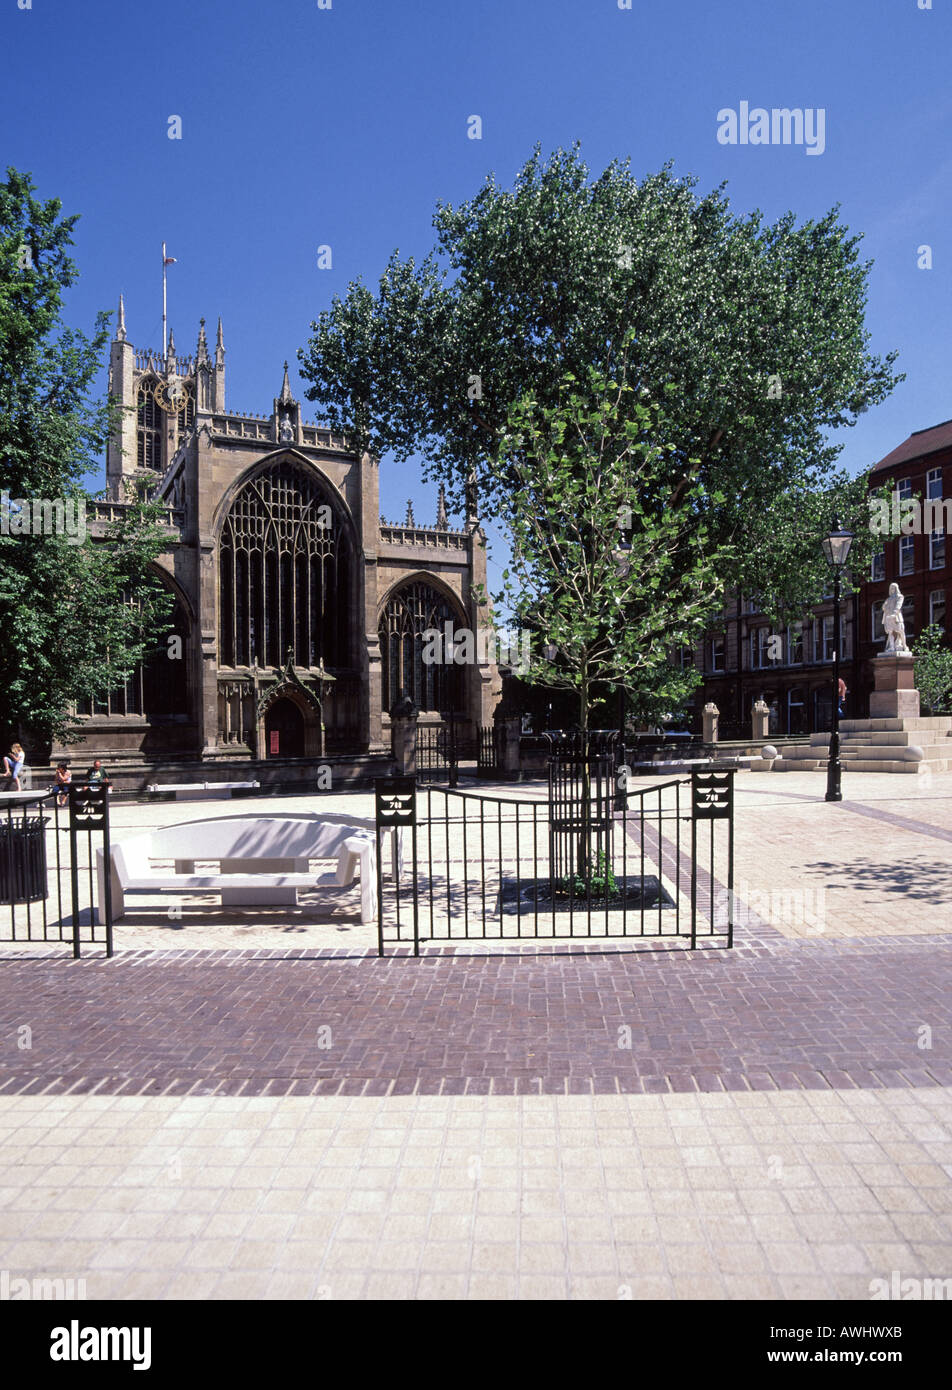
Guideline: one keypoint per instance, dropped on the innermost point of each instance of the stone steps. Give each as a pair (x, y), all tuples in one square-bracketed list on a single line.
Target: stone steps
[(863, 765), (938, 722), (878, 745)]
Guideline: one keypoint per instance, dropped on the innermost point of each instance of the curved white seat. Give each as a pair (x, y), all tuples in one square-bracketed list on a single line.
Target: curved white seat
[(262, 860)]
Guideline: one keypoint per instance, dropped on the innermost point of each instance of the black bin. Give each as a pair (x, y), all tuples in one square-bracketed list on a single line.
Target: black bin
[(23, 859)]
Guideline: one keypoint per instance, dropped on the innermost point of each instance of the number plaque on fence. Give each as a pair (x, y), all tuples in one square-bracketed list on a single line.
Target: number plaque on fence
[(712, 795), (395, 800)]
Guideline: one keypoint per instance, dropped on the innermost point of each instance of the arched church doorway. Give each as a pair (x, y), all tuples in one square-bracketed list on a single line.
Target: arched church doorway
[(284, 730)]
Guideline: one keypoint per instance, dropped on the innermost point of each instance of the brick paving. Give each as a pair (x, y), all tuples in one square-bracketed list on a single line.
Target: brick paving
[(774, 1015), (304, 1120)]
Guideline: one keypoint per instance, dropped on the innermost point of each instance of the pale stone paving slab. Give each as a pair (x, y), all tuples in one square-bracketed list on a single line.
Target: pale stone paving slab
[(781, 1195)]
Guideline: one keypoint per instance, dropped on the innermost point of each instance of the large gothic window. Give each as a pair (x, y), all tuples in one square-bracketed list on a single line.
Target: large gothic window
[(412, 611), (286, 574)]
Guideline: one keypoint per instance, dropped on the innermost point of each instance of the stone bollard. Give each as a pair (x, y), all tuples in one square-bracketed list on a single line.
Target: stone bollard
[(506, 733), (760, 719), (404, 717), (710, 717)]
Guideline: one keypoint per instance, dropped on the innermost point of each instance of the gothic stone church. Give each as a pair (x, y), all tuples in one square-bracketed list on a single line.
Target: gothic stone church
[(300, 610)]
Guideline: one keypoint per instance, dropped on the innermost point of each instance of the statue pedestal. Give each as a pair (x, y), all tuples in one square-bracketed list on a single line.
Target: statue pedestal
[(895, 695)]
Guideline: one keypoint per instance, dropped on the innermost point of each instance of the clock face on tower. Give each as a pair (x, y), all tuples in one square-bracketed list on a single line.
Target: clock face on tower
[(171, 395)]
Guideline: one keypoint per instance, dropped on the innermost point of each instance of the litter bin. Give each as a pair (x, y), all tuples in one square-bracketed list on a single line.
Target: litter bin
[(23, 858)]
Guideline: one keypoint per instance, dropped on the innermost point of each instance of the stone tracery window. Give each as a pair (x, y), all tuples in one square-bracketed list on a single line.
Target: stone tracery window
[(410, 612), (286, 574)]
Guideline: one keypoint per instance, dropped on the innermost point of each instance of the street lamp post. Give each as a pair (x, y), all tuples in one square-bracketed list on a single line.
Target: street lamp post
[(836, 548)]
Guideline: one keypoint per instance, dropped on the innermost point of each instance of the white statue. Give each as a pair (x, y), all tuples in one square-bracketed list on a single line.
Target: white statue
[(893, 624)]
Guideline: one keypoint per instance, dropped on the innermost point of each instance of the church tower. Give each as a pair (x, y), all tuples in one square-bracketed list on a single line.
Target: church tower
[(157, 395)]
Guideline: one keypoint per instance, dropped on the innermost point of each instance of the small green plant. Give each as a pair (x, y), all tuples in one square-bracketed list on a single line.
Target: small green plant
[(602, 883), (934, 670)]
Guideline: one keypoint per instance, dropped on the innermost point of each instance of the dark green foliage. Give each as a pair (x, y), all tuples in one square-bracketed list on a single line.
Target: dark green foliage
[(74, 617)]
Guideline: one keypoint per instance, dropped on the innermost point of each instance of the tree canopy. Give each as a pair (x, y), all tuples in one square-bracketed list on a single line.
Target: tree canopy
[(750, 334), (76, 616)]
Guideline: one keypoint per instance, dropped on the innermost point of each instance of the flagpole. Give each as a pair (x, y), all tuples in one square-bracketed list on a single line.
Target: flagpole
[(165, 333)]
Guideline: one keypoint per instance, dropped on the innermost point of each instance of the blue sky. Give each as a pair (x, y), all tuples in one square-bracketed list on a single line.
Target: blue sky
[(305, 126)]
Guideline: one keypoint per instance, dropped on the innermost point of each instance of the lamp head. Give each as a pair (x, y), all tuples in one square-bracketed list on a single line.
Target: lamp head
[(836, 546)]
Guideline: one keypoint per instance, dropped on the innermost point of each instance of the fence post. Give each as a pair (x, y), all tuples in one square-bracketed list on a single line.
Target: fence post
[(712, 798), (506, 734), (710, 717), (89, 811), (395, 807), (404, 719)]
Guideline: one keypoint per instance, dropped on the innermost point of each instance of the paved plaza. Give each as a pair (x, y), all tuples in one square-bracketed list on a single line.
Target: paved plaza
[(255, 1105)]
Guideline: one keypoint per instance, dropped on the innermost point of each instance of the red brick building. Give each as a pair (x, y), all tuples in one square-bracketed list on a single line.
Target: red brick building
[(744, 659), (920, 562)]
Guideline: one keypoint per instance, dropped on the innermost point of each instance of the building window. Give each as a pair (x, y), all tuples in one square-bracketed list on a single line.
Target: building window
[(823, 640), (718, 653), (934, 483), (795, 644), (877, 569), (826, 640), (904, 488), (411, 612), (907, 558), (149, 426), (286, 575), (937, 550), (761, 648), (877, 634), (937, 608), (157, 688)]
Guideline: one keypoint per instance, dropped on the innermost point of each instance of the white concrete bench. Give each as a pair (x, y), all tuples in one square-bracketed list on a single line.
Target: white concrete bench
[(262, 861), (200, 791)]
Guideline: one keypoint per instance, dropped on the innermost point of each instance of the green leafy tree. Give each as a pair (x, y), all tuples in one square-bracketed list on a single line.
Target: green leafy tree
[(750, 334), (612, 566), (76, 615), (934, 670)]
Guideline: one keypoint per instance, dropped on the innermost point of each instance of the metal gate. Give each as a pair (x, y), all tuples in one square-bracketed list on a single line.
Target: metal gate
[(49, 890), (488, 868)]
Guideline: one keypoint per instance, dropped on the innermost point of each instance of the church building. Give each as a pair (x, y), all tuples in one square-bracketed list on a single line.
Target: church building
[(299, 611)]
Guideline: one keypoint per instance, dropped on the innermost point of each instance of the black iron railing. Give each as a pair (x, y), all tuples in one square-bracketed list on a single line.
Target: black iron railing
[(51, 887), (490, 868)]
